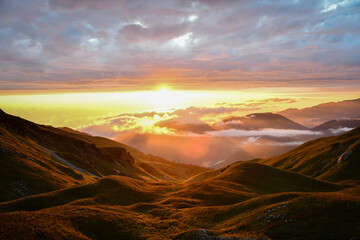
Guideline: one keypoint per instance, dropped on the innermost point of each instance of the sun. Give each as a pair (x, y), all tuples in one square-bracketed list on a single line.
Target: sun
[(163, 89), (164, 97)]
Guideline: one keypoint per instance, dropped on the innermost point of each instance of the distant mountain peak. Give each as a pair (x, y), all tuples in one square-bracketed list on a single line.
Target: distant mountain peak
[(316, 115), (338, 124), (257, 121)]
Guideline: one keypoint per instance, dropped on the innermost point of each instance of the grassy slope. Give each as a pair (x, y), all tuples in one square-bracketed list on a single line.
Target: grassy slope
[(241, 181), (121, 207), (26, 169), (319, 158), (282, 216), (235, 202), (264, 179), (99, 156), (156, 166)]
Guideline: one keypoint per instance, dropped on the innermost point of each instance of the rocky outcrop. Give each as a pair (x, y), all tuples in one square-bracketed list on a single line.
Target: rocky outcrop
[(344, 156)]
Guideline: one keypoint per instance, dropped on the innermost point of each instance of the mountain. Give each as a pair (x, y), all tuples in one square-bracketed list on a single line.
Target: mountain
[(37, 158), (313, 116), (331, 158), (311, 192), (258, 121), (338, 124)]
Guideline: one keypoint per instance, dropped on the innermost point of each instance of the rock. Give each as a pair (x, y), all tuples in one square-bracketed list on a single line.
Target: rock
[(344, 156)]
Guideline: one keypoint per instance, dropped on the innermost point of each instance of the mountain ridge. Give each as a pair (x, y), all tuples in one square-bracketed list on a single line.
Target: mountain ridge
[(256, 121), (316, 115)]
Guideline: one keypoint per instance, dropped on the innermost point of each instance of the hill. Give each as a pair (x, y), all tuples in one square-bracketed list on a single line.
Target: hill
[(330, 158), (26, 169), (257, 121), (337, 124), (241, 200), (37, 158), (235, 202)]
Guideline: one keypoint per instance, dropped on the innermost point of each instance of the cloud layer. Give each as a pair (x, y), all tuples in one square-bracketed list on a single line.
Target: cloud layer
[(182, 135), (187, 44)]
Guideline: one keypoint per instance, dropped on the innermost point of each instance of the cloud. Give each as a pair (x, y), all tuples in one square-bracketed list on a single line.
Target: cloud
[(340, 130), (120, 44), (264, 132), (137, 32), (181, 135), (256, 104), (180, 121)]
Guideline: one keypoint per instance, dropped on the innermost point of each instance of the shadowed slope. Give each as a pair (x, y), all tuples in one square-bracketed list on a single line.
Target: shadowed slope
[(111, 190), (275, 216), (80, 153), (265, 179), (26, 169), (241, 181)]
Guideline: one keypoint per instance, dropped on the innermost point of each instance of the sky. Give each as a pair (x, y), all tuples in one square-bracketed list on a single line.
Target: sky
[(124, 68), (134, 45)]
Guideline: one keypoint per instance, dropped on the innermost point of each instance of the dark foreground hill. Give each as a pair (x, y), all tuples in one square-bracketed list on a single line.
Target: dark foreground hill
[(244, 200)]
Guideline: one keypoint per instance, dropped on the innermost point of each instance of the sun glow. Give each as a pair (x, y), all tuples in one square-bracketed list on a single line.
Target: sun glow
[(78, 109), (148, 125), (164, 98)]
